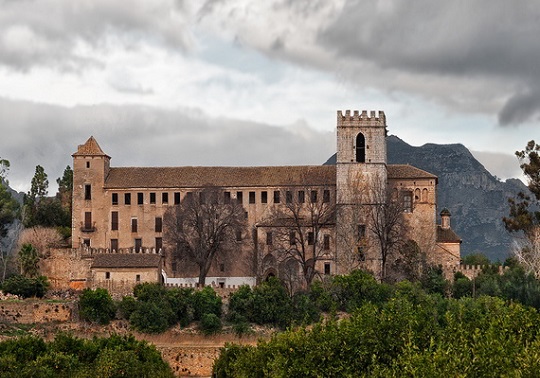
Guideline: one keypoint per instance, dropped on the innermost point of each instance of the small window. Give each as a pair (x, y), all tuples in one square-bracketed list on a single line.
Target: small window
[(164, 197), (221, 267), (115, 198), (227, 197), (360, 148), (238, 235), (138, 278), (152, 198), (88, 221), (239, 197), (114, 221), (310, 238), (140, 198), (114, 245), (159, 244), (173, 266), (127, 198), (292, 238), (407, 202), (264, 197), (87, 164), (269, 238), (86, 242), (177, 198), (361, 233), (134, 225), (313, 196), (251, 197), (288, 196), (326, 242), (301, 196), (326, 195), (107, 275), (327, 268), (245, 214), (159, 224), (361, 254), (138, 245), (87, 191), (276, 196)]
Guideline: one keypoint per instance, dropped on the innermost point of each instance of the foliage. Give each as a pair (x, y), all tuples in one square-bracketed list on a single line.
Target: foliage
[(96, 306), (8, 210), (210, 324), (150, 317), (26, 287), (206, 301), (476, 259), (271, 304), (67, 356), (65, 189), (433, 280), (28, 258), (127, 306), (41, 238), (353, 290)]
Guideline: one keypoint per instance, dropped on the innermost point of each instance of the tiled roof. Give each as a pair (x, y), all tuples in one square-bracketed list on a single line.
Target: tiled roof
[(281, 176), (90, 148), (447, 235), (126, 260), (195, 177), (405, 171)]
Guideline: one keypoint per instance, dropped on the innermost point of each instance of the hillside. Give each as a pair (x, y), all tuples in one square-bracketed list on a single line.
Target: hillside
[(476, 199)]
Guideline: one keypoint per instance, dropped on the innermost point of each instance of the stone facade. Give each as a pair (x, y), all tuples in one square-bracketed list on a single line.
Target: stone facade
[(123, 208)]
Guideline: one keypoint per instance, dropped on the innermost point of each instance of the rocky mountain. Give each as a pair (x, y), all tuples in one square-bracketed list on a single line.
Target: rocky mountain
[(476, 199)]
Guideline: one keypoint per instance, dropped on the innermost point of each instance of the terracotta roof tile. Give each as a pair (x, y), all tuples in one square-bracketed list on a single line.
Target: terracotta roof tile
[(90, 148), (447, 235), (405, 171), (194, 177), (126, 260)]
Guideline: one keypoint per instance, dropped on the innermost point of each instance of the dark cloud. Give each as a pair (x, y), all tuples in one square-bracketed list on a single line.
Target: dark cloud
[(34, 134), (499, 164)]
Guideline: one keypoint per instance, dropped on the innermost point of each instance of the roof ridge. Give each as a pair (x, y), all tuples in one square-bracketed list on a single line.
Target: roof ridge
[(90, 148)]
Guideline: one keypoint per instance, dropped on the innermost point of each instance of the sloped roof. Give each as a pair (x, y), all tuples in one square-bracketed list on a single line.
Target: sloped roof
[(405, 171), (126, 260), (194, 177), (447, 235), (90, 148)]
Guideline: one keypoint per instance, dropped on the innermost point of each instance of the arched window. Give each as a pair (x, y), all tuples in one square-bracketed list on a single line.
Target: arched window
[(424, 195), (360, 148)]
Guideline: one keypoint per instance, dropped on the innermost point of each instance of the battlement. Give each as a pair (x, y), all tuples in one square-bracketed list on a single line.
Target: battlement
[(363, 119), (472, 271)]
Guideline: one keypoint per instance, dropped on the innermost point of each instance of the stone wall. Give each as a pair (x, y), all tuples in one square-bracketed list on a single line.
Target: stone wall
[(66, 268), (36, 311), (190, 361)]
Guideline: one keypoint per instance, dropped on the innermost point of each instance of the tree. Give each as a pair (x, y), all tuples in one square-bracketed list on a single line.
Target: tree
[(203, 227), (65, 188), (96, 306), (28, 258), (9, 212), (38, 191), (299, 225)]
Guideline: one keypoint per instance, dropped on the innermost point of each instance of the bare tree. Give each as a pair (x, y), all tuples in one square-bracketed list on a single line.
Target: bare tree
[(302, 225), (527, 251), (203, 227)]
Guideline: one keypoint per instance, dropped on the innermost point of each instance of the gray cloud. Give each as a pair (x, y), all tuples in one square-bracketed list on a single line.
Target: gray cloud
[(499, 164), (146, 136)]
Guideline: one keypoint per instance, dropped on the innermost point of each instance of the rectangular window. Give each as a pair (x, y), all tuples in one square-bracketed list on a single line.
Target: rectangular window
[(221, 267), (226, 197), (288, 196), (114, 221), (326, 268), (310, 238), (152, 198), (361, 231), (140, 198), (239, 197), (361, 254), (326, 195), (173, 266), (138, 278), (276, 196), (134, 225), (88, 220), (87, 164), (301, 196), (407, 202), (107, 275), (326, 242), (159, 224), (292, 238), (127, 198), (264, 197), (238, 235), (87, 191), (164, 198), (177, 198), (86, 242), (269, 238), (251, 197), (138, 245), (313, 196), (159, 244), (114, 245), (115, 198)]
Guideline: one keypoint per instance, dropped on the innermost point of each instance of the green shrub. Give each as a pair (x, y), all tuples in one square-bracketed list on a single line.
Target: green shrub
[(206, 301), (96, 306), (127, 306), (26, 287), (181, 303), (210, 324), (271, 304), (149, 317)]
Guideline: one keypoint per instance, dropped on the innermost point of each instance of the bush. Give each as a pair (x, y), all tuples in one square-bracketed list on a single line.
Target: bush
[(210, 324), (96, 306), (271, 304), (149, 317), (26, 287), (241, 304), (206, 301), (127, 306), (181, 302)]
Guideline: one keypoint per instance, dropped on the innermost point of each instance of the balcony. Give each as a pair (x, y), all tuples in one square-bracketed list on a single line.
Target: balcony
[(87, 227)]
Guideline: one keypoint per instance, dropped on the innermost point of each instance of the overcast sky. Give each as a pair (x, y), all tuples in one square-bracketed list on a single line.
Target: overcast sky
[(168, 83)]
